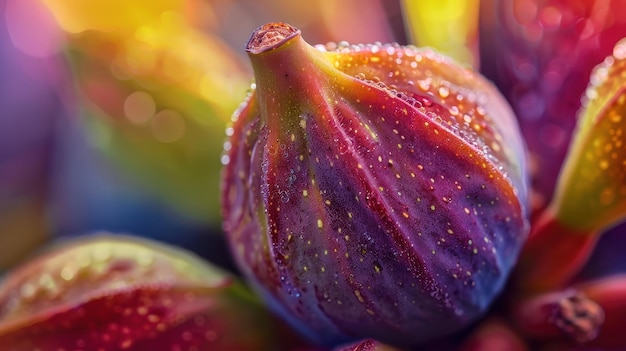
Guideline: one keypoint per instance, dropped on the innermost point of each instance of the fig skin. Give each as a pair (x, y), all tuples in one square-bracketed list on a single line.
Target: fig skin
[(372, 191)]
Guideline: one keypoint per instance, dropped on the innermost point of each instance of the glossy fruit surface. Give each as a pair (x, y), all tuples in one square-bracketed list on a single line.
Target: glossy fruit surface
[(372, 190), (121, 293)]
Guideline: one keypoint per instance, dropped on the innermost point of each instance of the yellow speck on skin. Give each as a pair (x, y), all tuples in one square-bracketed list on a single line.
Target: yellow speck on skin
[(358, 296)]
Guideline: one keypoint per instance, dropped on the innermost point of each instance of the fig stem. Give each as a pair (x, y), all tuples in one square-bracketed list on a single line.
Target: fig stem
[(270, 36), (610, 294), (553, 315)]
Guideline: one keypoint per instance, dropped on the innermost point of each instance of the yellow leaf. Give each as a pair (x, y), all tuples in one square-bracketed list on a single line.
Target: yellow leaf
[(120, 16), (591, 193), (450, 26)]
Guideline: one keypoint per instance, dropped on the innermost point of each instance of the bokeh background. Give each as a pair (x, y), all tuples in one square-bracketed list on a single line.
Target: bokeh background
[(114, 113)]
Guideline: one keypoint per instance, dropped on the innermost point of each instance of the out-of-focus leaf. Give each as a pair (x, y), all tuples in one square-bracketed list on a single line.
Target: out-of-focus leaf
[(450, 26), (120, 293), (159, 107), (591, 192), (156, 95), (119, 16)]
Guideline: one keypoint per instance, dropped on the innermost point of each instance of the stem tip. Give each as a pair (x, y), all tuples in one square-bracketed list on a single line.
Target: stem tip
[(270, 36)]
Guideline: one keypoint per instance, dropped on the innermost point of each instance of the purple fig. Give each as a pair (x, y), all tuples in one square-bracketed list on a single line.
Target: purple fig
[(372, 191)]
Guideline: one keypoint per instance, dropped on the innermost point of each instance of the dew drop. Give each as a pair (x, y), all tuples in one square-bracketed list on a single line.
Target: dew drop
[(444, 92), (454, 110), (480, 110), (424, 84), (271, 149), (225, 160), (343, 147), (619, 51)]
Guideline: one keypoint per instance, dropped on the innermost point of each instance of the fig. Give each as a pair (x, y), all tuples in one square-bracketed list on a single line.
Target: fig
[(372, 191)]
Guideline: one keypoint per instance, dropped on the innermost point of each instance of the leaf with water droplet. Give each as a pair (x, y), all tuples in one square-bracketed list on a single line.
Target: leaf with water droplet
[(155, 95), (591, 193)]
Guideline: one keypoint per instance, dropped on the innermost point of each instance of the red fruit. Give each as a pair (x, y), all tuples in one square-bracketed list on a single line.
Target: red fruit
[(372, 191), (116, 293)]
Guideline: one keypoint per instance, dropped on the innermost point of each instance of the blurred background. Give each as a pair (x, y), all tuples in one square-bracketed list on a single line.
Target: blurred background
[(113, 113)]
